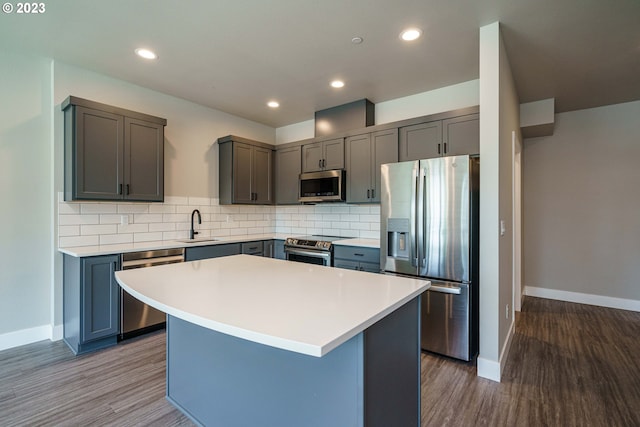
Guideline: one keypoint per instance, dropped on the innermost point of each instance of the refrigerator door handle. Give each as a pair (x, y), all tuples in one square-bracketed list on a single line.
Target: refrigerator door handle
[(420, 184), (415, 256), (445, 289)]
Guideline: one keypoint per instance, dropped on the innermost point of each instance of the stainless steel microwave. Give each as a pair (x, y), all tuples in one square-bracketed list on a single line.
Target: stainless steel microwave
[(323, 186)]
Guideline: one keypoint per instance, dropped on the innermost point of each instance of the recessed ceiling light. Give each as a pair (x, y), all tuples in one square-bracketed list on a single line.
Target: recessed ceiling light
[(146, 53), (411, 34), (357, 40), (273, 104), (337, 84)]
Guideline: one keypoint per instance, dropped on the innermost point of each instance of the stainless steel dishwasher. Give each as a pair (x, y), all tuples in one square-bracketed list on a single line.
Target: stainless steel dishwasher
[(136, 317)]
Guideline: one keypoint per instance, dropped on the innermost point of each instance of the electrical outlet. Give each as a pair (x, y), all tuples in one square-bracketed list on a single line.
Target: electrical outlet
[(124, 220), (228, 218), (507, 312)]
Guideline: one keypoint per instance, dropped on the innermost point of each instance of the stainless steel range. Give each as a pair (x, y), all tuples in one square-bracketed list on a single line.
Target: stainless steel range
[(310, 249)]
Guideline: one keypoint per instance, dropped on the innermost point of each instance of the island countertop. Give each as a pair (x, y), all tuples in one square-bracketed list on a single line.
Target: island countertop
[(298, 307)]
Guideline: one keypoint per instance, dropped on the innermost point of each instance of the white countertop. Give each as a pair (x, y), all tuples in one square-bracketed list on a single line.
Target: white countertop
[(365, 243), (85, 251), (293, 306)]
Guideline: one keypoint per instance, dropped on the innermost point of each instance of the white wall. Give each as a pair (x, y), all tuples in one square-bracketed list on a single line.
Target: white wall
[(581, 204), (499, 116), (26, 211), (448, 98)]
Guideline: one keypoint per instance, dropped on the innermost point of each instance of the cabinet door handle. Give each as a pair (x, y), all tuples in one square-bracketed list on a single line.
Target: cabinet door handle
[(320, 163), (119, 188), (373, 193), (439, 149), (356, 254), (324, 162), (368, 194), (445, 148), (127, 189)]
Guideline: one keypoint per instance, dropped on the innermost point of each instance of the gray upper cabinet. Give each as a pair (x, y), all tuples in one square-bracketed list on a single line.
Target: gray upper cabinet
[(112, 153), (448, 137), (363, 155), (421, 141), (288, 168), (461, 135), (246, 171), (323, 155)]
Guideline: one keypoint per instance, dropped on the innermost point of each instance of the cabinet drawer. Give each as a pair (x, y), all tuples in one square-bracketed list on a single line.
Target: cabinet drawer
[(211, 251), (252, 248), (356, 253)]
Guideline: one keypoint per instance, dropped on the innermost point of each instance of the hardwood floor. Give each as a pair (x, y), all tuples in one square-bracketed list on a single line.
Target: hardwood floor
[(569, 365)]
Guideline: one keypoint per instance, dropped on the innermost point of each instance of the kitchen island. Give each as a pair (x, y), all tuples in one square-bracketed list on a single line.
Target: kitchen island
[(266, 342)]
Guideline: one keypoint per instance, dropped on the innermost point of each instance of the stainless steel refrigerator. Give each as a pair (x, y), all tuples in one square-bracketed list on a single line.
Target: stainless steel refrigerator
[(429, 228)]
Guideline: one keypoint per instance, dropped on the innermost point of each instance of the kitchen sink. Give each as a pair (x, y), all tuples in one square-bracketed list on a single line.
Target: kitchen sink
[(200, 240)]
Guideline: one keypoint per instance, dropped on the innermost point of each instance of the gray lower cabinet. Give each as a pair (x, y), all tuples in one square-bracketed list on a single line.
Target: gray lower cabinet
[(268, 249), (246, 171), (363, 156), (213, 251), (253, 248), (449, 137), (357, 258), (91, 302), (288, 168), (278, 249), (323, 155), (112, 153)]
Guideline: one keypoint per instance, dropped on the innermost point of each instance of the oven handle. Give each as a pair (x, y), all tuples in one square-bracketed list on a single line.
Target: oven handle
[(315, 254)]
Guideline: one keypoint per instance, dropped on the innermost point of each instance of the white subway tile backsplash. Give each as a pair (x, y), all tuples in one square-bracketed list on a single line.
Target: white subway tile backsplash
[(78, 219), (79, 241), (81, 224), (369, 218), (68, 208), (98, 208), (131, 208), (147, 237), (162, 226), (68, 230), (174, 218), (161, 208), (113, 219), (360, 210), (339, 209), (110, 239), (98, 229), (133, 228), (147, 218)]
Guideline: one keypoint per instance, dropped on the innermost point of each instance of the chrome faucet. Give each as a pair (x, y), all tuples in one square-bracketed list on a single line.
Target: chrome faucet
[(192, 232)]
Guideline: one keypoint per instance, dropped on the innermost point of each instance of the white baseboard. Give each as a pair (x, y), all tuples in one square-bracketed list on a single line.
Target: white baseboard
[(590, 299), (490, 369), (57, 333), (31, 335)]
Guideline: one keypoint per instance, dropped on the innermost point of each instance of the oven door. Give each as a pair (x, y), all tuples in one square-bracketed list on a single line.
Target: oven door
[(308, 256)]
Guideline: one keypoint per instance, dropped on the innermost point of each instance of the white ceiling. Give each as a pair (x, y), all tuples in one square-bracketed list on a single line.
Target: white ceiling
[(235, 55)]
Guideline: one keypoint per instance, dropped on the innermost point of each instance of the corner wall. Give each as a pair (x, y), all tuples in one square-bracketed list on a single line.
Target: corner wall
[(581, 204), (499, 117)]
